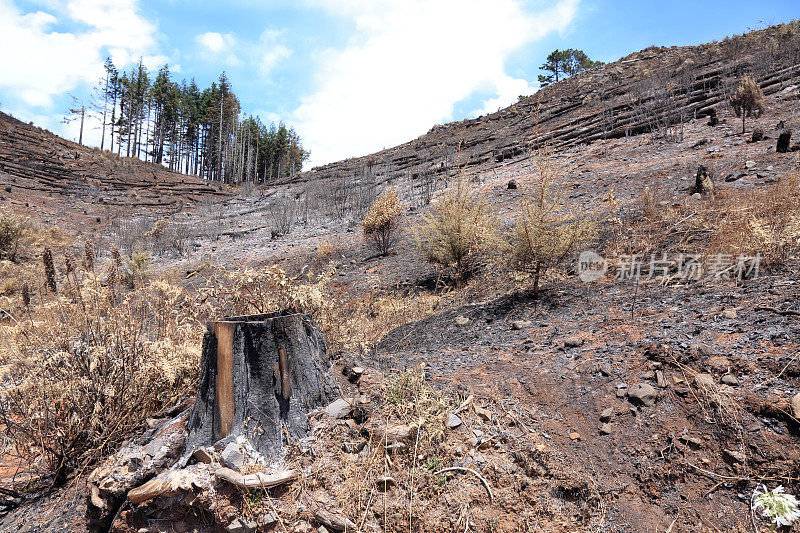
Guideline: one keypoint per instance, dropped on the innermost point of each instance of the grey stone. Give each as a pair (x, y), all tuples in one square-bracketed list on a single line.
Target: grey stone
[(661, 381), (607, 413), (795, 404), (453, 421), (520, 324), (729, 313), (730, 379), (704, 381), (266, 519), (573, 342), (339, 408), (606, 429), (750, 164), (232, 456), (733, 456), (462, 320), (643, 394)]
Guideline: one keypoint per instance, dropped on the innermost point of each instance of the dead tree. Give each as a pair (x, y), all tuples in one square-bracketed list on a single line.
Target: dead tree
[(260, 376)]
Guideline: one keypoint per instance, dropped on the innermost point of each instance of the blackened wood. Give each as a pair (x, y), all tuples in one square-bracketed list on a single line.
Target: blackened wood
[(260, 376)]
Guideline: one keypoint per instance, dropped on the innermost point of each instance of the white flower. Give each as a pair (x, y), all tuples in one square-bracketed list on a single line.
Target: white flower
[(781, 508)]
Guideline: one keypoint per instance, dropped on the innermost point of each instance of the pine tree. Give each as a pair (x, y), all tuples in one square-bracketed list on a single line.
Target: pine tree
[(563, 63), (748, 100)]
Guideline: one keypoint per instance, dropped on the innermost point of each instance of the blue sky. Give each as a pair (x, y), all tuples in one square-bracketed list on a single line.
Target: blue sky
[(352, 76)]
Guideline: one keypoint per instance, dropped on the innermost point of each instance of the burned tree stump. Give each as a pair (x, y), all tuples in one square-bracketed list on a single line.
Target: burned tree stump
[(782, 146), (260, 376)]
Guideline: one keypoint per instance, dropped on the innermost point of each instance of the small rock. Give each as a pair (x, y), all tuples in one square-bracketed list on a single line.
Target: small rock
[(758, 135), (240, 526), (540, 448), (661, 381), (520, 324), (453, 421), (201, 455), (770, 168), (485, 414), (649, 375), (696, 196), (606, 369), (338, 408), (573, 342), (232, 456), (730, 379), (729, 313), (606, 429), (512, 184), (621, 393), (733, 456), (643, 394), (607, 413), (266, 519), (795, 403), (704, 381), (462, 320), (749, 165), (384, 482), (575, 436)]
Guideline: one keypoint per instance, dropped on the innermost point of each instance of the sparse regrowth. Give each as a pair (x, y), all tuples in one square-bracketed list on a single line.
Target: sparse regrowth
[(457, 228), (748, 100), (547, 231), (775, 505), (381, 223)]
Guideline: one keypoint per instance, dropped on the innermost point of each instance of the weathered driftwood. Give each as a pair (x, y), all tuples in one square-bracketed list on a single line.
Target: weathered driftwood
[(256, 479), (167, 483), (260, 376)]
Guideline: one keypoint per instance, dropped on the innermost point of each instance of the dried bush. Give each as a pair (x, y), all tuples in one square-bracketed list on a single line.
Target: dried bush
[(457, 228), (765, 222), (12, 228), (748, 100), (87, 370), (547, 231), (381, 224), (283, 214)]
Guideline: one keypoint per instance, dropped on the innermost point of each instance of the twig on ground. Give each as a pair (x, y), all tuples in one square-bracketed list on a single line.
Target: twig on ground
[(474, 473)]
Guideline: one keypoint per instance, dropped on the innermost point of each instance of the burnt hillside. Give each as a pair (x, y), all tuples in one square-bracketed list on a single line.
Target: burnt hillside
[(653, 91), (43, 172)]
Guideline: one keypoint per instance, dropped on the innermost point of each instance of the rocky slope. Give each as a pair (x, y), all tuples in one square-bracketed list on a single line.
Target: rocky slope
[(655, 90)]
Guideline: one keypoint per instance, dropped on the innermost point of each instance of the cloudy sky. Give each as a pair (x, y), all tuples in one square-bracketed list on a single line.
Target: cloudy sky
[(352, 76)]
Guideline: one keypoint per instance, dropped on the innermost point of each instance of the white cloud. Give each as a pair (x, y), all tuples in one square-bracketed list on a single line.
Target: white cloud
[(214, 42), (508, 91), (220, 47), (409, 62), (270, 51), (41, 62)]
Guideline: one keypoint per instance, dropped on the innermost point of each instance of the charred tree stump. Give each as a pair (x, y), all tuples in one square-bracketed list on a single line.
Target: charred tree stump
[(260, 376)]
